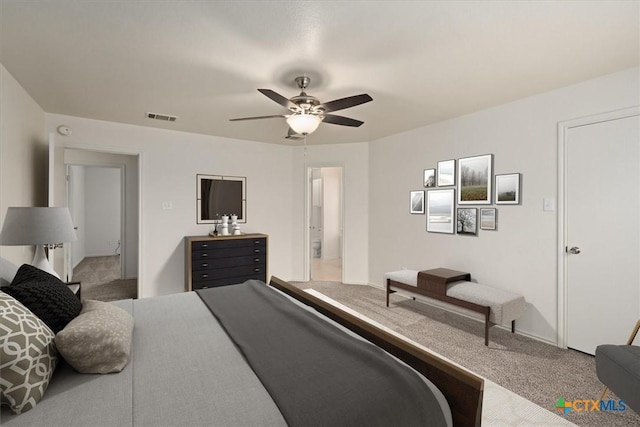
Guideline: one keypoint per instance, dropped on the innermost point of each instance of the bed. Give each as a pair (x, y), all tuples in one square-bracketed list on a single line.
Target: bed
[(188, 368)]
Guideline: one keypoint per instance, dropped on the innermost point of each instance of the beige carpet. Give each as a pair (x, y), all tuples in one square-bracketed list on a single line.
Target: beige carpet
[(537, 371), (100, 277)]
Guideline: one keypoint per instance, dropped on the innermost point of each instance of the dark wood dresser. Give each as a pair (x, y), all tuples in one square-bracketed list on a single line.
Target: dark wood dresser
[(225, 260)]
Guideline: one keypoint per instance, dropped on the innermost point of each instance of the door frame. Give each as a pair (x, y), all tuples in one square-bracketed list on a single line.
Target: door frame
[(57, 173), (307, 217), (563, 130)]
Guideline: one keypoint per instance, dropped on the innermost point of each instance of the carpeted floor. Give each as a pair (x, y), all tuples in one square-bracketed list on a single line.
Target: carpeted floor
[(100, 277), (537, 371)]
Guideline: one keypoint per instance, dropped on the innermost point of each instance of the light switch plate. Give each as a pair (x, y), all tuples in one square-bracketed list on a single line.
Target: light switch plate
[(167, 205), (548, 204)]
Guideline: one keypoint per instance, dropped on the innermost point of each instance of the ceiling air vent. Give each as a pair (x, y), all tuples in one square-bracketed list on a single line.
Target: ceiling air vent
[(163, 117)]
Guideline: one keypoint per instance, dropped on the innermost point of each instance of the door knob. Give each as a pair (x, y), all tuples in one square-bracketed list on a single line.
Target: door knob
[(574, 250)]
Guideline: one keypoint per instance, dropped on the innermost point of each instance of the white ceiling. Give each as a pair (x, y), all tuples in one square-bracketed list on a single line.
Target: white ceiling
[(422, 62)]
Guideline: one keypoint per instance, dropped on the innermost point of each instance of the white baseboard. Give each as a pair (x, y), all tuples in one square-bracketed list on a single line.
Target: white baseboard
[(358, 283)]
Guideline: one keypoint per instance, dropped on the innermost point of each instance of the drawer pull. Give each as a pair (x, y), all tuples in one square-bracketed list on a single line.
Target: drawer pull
[(205, 255), (257, 270), (257, 251), (205, 245), (257, 242), (204, 276), (257, 260), (204, 264)]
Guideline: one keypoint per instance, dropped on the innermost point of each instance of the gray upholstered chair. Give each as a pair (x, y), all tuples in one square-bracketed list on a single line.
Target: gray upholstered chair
[(618, 368)]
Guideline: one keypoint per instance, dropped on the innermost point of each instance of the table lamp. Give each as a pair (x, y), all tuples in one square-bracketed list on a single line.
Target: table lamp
[(37, 226)]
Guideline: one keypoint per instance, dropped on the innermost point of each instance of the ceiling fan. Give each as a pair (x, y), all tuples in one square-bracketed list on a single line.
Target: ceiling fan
[(307, 112)]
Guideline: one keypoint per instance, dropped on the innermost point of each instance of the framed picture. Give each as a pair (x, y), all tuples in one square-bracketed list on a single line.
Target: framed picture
[(467, 221), (440, 211), (446, 173), (488, 219), (474, 180), (508, 189), (417, 202), (429, 179)]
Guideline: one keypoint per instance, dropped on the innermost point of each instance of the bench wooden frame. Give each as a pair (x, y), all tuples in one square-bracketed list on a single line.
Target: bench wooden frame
[(463, 390), (482, 309)]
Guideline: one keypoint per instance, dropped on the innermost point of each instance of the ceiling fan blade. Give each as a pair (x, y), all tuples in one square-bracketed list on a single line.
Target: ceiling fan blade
[(340, 120), (342, 103), (256, 118), (274, 96)]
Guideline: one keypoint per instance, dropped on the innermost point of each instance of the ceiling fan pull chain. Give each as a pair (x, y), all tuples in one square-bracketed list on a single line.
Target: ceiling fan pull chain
[(305, 145)]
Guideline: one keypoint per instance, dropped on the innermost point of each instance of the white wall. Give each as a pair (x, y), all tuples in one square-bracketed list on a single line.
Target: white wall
[(354, 159), (103, 213), (170, 161), (522, 136), (23, 156)]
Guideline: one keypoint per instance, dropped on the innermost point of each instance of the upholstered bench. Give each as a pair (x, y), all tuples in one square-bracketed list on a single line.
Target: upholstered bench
[(496, 305)]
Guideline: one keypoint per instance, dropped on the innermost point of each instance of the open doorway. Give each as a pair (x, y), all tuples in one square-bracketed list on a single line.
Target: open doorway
[(102, 196), (325, 223)]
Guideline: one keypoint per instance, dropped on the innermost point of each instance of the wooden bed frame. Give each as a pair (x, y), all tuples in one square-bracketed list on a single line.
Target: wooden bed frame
[(462, 389)]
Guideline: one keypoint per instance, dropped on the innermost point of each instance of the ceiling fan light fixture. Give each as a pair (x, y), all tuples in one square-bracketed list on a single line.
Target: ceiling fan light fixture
[(303, 124)]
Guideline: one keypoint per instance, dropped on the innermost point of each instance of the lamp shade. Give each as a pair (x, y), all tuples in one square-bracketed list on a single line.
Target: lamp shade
[(303, 124), (36, 226)]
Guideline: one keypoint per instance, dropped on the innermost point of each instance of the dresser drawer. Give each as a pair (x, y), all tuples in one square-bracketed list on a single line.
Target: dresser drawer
[(224, 273), (216, 253), (228, 243), (206, 264)]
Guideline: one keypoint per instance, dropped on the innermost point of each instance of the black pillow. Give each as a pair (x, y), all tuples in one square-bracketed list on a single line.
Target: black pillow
[(46, 296), (29, 273)]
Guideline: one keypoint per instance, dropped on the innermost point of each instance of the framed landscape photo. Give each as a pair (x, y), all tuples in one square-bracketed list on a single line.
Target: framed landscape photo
[(474, 180), (417, 202), (467, 221), (488, 219), (429, 179), (508, 189), (440, 205), (446, 173)]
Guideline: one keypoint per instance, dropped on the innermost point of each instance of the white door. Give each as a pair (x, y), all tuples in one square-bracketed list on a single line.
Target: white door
[(602, 232)]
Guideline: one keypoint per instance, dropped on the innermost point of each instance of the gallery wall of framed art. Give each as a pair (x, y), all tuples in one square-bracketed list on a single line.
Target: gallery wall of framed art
[(454, 186)]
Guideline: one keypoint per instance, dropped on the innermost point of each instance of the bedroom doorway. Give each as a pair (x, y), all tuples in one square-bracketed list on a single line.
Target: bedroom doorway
[(600, 230), (96, 197), (325, 223), (102, 193)]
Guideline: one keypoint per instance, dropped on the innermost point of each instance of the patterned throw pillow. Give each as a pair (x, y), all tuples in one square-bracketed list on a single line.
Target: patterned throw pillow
[(45, 295), (98, 341), (28, 355)]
